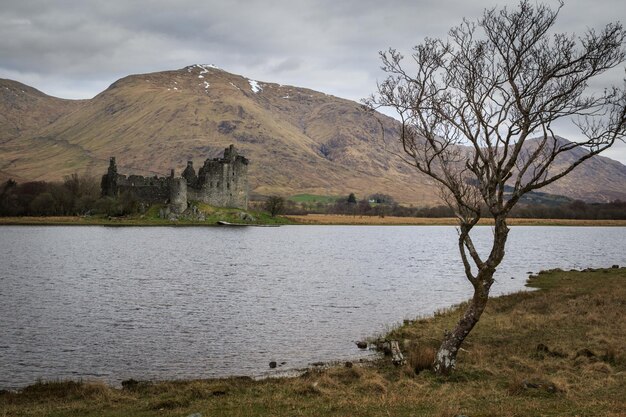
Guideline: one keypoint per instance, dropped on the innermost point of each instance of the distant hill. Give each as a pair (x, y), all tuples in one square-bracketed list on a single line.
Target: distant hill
[(298, 140), (599, 179), (23, 111)]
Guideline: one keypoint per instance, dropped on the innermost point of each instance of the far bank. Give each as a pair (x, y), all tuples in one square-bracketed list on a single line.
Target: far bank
[(330, 219), (309, 219)]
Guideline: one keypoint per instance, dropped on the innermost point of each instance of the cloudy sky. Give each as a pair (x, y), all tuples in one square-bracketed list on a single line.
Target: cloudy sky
[(77, 48)]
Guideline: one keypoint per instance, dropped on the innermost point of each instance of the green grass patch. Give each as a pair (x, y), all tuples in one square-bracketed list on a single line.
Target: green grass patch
[(313, 198), (205, 216)]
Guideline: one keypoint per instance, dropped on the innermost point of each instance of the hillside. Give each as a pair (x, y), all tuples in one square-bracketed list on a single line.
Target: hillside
[(23, 111), (598, 179), (298, 140)]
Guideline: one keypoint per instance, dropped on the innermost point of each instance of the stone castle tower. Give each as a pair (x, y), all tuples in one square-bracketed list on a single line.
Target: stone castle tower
[(221, 182)]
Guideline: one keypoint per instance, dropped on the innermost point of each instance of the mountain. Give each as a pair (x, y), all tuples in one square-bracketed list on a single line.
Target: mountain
[(298, 140), (598, 179), (23, 111)]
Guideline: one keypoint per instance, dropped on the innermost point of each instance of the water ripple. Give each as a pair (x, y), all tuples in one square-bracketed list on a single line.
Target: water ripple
[(165, 303)]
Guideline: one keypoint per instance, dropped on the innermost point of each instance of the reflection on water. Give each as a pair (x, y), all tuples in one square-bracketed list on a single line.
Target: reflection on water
[(164, 303)]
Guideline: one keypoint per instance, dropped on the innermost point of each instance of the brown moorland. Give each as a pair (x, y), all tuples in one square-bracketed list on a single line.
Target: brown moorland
[(341, 219)]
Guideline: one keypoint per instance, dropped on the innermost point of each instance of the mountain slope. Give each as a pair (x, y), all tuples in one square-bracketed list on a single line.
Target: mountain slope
[(598, 179), (24, 109), (298, 140)]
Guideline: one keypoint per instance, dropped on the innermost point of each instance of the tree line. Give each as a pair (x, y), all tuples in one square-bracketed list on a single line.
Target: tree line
[(80, 195), (384, 205), (74, 196)]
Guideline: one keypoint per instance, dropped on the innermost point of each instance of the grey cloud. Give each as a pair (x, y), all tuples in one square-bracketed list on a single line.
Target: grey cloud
[(286, 65), (77, 48)]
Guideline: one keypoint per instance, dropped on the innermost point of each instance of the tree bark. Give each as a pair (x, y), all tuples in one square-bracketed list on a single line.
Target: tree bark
[(445, 360), (396, 354)]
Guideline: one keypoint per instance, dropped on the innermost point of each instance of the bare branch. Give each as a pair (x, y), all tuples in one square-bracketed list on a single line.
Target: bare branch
[(479, 109)]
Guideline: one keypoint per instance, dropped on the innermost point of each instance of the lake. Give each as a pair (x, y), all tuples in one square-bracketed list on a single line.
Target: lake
[(112, 303)]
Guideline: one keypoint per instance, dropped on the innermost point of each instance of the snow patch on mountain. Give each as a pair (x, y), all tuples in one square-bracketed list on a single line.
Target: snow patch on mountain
[(254, 86), (204, 68)]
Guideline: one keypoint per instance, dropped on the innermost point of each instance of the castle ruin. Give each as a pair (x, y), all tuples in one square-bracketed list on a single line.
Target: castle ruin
[(221, 182)]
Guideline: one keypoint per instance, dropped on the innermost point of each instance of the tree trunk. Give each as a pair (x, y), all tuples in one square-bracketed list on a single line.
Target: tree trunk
[(445, 360), (396, 354)]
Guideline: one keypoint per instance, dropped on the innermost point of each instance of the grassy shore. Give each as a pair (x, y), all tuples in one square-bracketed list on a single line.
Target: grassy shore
[(339, 219), (558, 351)]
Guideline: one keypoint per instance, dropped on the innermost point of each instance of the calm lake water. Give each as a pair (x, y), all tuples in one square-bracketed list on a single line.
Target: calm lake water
[(166, 303)]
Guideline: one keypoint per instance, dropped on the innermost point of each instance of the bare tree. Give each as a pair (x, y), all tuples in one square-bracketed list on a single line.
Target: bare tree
[(479, 111), (275, 205)]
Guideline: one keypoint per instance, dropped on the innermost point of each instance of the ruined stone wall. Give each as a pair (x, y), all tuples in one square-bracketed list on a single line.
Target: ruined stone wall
[(221, 182), (178, 194), (108, 185), (146, 189), (239, 184)]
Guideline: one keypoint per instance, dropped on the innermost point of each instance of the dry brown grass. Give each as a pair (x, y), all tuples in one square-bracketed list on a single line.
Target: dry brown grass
[(44, 220), (558, 351), (419, 357), (331, 219)]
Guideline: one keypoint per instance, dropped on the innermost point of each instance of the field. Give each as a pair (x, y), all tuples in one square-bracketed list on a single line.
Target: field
[(231, 215), (427, 221), (557, 351), (313, 198)]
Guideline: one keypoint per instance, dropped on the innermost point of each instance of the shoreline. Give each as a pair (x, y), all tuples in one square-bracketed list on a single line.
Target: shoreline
[(309, 219), (545, 351), (117, 222), (346, 220)]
